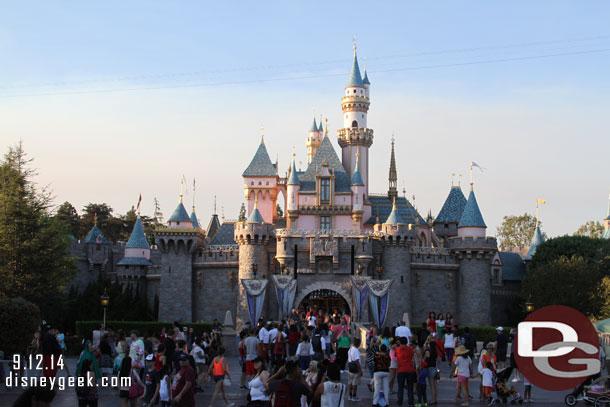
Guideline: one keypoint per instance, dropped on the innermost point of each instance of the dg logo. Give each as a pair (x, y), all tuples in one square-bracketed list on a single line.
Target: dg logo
[(557, 348)]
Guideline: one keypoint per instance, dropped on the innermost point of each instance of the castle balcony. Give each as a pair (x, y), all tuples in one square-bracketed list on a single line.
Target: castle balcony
[(355, 136), (358, 103)]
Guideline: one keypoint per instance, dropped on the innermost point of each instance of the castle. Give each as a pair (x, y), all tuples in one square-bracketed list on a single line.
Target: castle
[(336, 245)]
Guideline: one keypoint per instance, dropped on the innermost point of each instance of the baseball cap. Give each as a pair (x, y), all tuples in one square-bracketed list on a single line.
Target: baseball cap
[(150, 357), (183, 356), (499, 328)]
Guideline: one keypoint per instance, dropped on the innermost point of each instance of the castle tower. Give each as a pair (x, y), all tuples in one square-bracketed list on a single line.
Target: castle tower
[(252, 236), (132, 268), (607, 223), (357, 187), (396, 240), (293, 186), (393, 176), (193, 214), (177, 243), (355, 137), (261, 184), (316, 133), (448, 218), (474, 252)]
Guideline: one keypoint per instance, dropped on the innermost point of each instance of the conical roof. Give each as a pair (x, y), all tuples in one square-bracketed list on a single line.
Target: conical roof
[(320, 127), (213, 227), (365, 80), (355, 79), (452, 209), (357, 178), (394, 219), (180, 214), (93, 234), (471, 217), (326, 154), (293, 179), (314, 125), (537, 240), (137, 240), (194, 219), (255, 216), (607, 234), (261, 165)]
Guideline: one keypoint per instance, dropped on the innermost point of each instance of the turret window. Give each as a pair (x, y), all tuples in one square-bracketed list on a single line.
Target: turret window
[(324, 190), (355, 123)]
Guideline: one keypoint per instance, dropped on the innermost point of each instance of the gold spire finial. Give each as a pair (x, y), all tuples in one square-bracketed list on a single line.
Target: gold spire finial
[(326, 127), (262, 135), (355, 45), (193, 194), (181, 188), (95, 219)]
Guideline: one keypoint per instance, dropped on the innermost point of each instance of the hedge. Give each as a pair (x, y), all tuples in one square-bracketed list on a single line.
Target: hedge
[(84, 327), (481, 333), (18, 322)]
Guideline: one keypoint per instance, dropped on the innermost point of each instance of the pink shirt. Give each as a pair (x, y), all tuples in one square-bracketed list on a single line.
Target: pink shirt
[(393, 354)]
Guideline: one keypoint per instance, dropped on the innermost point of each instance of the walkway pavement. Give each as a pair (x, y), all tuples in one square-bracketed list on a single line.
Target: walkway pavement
[(109, 396)]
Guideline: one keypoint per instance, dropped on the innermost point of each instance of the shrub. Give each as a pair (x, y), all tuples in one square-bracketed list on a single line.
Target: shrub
[(19, 319), (83, 327)]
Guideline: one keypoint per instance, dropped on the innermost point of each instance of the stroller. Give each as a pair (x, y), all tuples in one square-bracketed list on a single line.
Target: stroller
[(594, 390), (502, 392)]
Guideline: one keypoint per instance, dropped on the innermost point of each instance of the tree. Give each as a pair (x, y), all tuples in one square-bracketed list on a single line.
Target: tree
[(591, 228), (34, 246), (593, 251), (18, 321), (280, 212), (66, 214), (517, 231), (571, 281), (242, 213)]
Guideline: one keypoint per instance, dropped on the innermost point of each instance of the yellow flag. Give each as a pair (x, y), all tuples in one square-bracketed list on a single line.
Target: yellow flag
[(542, 201)]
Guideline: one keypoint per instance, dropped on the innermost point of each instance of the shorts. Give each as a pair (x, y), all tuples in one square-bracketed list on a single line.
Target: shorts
[(250, 368), (393, 364), (200, 368), (462, 379), (501, 356), (487, 390), (432, 372), (353, 378), (218, 378)]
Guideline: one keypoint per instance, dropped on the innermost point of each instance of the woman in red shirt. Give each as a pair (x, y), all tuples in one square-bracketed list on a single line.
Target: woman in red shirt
[(432, 321)]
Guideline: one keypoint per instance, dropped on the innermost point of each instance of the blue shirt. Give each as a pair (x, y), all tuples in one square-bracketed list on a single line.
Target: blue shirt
[(423, 374)]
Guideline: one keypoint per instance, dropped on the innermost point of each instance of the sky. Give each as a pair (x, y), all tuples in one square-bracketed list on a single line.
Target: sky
[(115, 99)]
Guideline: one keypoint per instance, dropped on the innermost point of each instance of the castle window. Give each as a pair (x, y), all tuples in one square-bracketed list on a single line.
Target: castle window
[(325, 222), (325, 190), (354, 90), (252, 183), (354, 123)]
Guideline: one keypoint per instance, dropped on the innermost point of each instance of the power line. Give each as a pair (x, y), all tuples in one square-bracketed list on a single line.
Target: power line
[(263, 80), (300, 64)]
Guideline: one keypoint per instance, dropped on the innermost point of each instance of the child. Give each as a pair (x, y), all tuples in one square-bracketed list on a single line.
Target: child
[(421, 385), (527, 392), (487, 380), (165, 390)]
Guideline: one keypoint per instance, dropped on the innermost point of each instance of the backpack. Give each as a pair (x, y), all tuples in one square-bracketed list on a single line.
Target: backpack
[(317, 344), (382, 362), (282, 394)]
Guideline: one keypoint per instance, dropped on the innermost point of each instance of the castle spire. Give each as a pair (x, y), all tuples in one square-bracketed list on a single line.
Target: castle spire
[(393, 176), (357, 178), (355, 79), (394, 219)]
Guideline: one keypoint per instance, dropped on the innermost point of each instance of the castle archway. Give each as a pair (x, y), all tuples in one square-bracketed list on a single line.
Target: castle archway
[(324, 296)]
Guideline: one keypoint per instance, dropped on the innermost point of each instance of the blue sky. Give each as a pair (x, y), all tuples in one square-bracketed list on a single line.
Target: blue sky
[(117, 98)]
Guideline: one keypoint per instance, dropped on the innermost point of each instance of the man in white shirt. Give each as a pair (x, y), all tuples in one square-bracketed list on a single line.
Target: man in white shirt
[(199, 355), (403, 331), (354, 370), (263, 336), (273, 333)]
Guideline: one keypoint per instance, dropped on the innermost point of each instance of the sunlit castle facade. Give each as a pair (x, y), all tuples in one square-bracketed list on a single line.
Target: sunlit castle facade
[(336, 246)]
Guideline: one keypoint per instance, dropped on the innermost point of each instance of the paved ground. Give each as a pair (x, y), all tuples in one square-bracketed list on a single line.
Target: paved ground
[(109, 397)]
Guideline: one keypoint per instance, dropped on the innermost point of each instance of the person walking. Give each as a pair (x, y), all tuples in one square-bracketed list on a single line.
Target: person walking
[(136, 352), (406, 371), (422, 375), (88, 353), (121, 349), (304, 353), (382, 375), (220, 370), (462, 368), (132, 391), (251, 344), (87, 394), (152, 382), (449, 345), (501, 347), (183, 389), (431, 358), (354, 369)]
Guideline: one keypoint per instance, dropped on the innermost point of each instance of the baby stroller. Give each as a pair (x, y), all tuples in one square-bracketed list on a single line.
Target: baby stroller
[(594, 390), (502, 392)]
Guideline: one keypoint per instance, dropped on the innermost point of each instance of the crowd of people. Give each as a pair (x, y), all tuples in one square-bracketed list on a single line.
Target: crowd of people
[(295, 362)]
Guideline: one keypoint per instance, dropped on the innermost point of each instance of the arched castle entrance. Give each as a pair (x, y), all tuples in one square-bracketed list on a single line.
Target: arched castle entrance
[(325, 295)]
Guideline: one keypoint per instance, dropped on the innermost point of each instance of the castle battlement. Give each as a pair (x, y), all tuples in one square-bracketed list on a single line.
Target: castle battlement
[(355, 136), (253, 233), (470, 242)]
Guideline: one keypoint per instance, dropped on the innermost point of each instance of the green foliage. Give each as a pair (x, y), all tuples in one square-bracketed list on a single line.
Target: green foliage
[(516, 231), (280, 212), (83, 327), (242, 213), (67, 215), (34, 247), (591, 250), (18, 322), (115, 228), (591, 228)]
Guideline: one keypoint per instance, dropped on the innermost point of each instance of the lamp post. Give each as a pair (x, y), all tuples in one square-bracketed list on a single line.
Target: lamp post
[(529, 304), (105, 300)]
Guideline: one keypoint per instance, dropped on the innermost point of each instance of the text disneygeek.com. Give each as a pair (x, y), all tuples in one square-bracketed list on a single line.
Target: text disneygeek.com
[(60, 383)]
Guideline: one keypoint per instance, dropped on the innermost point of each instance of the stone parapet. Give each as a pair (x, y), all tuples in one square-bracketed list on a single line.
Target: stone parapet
[(253, 233), (355, 136)]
